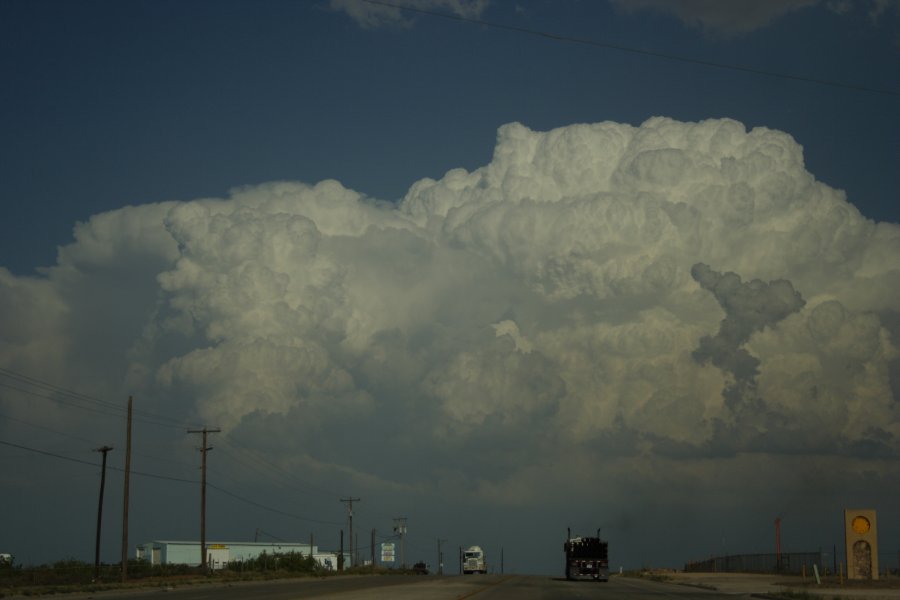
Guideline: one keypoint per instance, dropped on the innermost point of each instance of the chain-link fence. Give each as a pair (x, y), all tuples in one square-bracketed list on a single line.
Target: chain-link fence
[(796, 563), (786, 562)]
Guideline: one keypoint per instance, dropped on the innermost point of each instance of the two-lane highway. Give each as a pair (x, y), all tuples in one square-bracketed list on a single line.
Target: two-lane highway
[(397, 587)]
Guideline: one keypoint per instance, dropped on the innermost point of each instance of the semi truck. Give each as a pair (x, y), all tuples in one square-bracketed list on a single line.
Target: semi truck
[(473, 561), (586, 557)]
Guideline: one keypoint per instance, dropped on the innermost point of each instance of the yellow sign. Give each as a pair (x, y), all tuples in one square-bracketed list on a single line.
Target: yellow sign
[(217, 547), (861, 536), (861, 524)]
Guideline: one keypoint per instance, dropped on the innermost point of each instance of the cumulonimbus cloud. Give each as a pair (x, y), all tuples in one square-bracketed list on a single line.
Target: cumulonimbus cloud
[(370, 15), (598, 286), (749, 308)]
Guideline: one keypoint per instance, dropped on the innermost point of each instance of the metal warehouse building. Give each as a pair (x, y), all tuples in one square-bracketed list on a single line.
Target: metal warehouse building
[(221, 553)]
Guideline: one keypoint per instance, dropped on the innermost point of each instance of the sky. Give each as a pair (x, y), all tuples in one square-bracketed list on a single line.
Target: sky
[(499, 268)]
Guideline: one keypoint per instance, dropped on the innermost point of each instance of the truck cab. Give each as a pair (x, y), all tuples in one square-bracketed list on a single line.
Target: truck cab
[(586, 558), (473, 561)]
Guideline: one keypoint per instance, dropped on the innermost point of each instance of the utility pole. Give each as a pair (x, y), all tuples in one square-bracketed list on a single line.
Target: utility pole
[(104, 450), (373, 548), (125, 500), (350, 502), (203, 450), (400, 528), (440, 558)]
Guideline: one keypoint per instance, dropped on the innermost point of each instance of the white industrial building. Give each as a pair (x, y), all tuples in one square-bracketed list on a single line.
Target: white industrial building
[(220, 554)]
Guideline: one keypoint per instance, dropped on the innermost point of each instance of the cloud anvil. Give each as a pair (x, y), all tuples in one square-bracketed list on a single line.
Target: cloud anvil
[(597, 286)]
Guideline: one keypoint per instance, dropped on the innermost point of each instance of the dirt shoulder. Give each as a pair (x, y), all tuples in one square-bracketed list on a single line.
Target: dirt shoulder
[(786, 586)]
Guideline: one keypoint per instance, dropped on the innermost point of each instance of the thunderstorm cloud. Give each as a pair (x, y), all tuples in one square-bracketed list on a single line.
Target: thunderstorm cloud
[(666, 294), (370, 15)]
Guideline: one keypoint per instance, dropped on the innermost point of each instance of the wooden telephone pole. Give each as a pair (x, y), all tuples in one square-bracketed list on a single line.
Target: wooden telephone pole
[(104, 450), (204, 563), (125, 502), (350, 502)]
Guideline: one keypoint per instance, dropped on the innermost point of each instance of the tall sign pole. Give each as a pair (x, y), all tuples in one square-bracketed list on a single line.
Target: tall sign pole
[(400, 528)]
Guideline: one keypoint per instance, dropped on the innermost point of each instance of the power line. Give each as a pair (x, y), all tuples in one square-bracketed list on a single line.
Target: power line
[(242, 453), (144, 455), (269, 508), (32, 381), (93, 442), (45, 453), (239, 451), (638, 51), (275, 470), (86, 462), (274, 537), (42, 427), (61, 395), (175, 479), (57, 399)]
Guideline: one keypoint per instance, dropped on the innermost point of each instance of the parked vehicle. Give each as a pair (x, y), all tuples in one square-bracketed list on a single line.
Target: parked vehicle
[(586, 557)]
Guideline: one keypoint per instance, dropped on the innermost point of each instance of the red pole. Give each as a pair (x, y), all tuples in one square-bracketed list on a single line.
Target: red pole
[(778, 543)]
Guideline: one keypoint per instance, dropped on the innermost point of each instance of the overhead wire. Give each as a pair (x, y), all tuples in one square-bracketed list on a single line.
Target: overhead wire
[(269, 508), (58, 399), (636, 50), (274, 537), (237, 450), (39, 388), (51, 430), (169, 478), (51, 454), (60, 395), (278, 471), (69, 393), (92, 442)]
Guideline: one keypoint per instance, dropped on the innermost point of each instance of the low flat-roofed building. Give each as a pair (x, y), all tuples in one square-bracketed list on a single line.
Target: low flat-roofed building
[(219, 554)]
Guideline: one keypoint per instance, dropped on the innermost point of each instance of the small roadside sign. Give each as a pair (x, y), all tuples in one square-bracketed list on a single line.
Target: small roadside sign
[(387, 552)]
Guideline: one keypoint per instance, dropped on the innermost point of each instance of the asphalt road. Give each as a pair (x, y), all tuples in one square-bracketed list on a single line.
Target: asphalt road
[(484, 587)]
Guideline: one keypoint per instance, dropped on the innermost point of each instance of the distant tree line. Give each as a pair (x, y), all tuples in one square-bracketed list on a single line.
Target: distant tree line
[(292, 562)]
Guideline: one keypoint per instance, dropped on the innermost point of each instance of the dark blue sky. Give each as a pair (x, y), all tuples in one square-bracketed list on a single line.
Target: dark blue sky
[(106, 104), (403, 356)]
